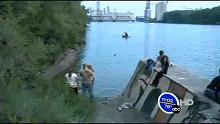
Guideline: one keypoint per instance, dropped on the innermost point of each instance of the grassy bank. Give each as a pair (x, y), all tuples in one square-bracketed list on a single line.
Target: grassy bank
[(32, 35)]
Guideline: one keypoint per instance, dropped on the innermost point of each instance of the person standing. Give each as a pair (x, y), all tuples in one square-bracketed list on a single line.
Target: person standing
[(165, 62), (72, 80), (93, 77), (87, 81), (161, 53), (162, 65)]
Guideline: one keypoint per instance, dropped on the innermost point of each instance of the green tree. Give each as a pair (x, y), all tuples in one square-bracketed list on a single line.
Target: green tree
[(32, 35), (203, 16)]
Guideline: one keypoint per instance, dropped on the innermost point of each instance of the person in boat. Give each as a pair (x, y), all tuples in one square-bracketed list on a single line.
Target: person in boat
[(215, 86), (126, 34)]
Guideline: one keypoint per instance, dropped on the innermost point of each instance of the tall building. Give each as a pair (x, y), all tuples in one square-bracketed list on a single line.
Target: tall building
[(147, 11), (98, 11), (104, 12), (108, 10), (161, 8), (147, 5)]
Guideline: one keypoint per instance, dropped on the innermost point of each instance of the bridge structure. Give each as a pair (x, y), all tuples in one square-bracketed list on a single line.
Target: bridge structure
[(115, 17), (99, 15)]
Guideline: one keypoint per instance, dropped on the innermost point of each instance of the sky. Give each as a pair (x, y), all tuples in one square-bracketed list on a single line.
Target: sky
[(137, 7)]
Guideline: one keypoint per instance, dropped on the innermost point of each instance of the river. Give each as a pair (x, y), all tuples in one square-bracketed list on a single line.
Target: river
[(195, 47)]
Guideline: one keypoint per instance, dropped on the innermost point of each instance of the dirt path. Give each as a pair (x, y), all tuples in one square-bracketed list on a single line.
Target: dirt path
[(107, 113), (62, 63)]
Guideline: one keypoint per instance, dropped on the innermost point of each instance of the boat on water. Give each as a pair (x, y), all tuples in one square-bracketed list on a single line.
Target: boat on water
[(125, 35)]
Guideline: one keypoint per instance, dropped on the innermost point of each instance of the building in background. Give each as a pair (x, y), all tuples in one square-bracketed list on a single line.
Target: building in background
[(147, 12), (161, 8), (106, 15), (108, 10), (98, 11), (104, 12)]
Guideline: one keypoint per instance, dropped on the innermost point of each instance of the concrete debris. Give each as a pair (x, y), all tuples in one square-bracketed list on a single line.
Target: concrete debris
[(125, 105), (207, 121)]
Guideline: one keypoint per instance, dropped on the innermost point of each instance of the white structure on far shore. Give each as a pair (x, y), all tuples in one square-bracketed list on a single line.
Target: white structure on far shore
[(161, 8), (108, 9), (107, 15), (113, 16)]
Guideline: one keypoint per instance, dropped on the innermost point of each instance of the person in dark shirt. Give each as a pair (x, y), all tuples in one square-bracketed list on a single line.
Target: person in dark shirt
[(126, 34), (164, 61), (215, 85), (161, 53), (165, 64)]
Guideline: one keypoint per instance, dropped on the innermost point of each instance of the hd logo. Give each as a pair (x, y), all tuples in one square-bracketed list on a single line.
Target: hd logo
[(169, 103)]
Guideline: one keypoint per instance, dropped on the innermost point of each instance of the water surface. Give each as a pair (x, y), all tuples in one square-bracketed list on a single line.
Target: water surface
[(195, 47)]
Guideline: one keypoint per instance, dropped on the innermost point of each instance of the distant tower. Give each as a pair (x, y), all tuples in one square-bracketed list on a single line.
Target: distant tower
[(98, 7), (147, 11), (108, 10), (147, 5), (104, 12)]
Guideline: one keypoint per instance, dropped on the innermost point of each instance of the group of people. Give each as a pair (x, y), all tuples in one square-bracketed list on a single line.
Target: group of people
[(162, 65), (87, 77)]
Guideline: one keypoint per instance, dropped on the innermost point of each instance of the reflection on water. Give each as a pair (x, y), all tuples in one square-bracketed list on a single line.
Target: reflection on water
[(114, 58)]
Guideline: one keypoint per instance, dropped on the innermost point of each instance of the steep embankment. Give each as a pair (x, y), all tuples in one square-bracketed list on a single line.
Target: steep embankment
[(32, 35)]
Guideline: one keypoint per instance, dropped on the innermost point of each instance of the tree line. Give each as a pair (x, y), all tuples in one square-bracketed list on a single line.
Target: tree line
[(32, 35), (202, 16)]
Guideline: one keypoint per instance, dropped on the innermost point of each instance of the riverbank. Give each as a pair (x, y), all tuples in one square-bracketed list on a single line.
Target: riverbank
[(106, 106), (107, 112)]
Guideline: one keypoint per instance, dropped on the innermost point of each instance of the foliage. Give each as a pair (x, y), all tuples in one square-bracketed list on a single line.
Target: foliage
[(32, 35), (203, 16)]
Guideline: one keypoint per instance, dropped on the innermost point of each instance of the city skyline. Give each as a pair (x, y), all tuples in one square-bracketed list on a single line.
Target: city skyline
[(138, 7)]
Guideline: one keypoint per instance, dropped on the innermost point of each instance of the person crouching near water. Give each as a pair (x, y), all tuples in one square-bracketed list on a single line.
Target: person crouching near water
[(72, 80), (87, 81)]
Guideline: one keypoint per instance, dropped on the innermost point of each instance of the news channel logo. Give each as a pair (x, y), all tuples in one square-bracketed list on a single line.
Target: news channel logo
[(170, 104)]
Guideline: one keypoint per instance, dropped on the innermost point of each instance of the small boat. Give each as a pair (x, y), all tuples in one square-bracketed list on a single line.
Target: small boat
[(124, 36)]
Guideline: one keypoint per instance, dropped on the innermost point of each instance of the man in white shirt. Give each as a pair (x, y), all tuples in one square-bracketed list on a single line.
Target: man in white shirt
[(72, 80)]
